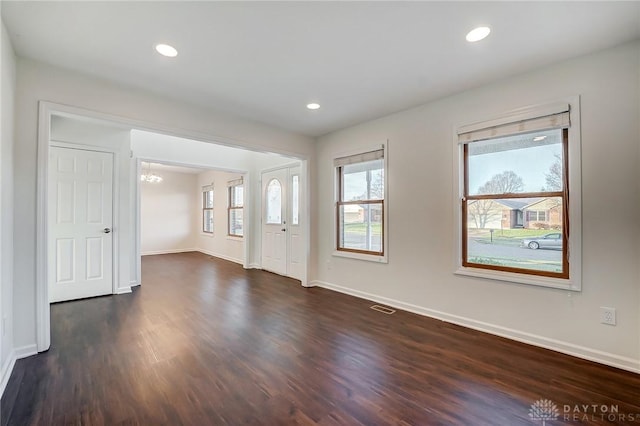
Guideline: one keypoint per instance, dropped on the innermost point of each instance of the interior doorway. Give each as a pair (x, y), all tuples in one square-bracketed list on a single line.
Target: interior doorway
[(72, 127)]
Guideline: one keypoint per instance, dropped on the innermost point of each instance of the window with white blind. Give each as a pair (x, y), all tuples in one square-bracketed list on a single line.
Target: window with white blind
[(207, 209), (360, 204), (518, 175), (235, 211)]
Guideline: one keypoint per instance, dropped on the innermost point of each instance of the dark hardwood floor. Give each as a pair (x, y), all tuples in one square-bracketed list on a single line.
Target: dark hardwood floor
[(204, 342)]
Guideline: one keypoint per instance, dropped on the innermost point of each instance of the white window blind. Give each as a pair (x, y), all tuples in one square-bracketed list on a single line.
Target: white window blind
[(359, 158), (207, 188), (546, 118)]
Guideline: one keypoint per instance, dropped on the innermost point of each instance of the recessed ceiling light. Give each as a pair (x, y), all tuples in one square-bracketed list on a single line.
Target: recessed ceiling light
[(478, 34), (539, 138), (313, 106), (166, 50)]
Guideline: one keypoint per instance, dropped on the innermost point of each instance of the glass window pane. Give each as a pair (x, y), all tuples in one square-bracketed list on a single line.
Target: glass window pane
[(274, 202), (295, 199), (521, 233), (361, 227), (207, 220), (363, 181), (208, 199), (235, 222), (520, 163), (237, 196)]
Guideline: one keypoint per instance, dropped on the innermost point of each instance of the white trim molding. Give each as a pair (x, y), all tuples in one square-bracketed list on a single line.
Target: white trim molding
[(43, 313), (170, 251), (25, 351), (7, 369), (578, 351), (221, 256), (10, 362)]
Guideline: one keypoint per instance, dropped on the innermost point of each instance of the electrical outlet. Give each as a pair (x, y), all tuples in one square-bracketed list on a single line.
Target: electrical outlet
[(608, 315)]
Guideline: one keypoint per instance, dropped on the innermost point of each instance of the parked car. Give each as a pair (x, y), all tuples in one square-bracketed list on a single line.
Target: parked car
[(551, 241)]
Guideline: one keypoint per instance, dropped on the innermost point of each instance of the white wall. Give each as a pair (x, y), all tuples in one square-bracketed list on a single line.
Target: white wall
[(420, 276), (36, 81), (7, 90), (219, 243), (167, 220)]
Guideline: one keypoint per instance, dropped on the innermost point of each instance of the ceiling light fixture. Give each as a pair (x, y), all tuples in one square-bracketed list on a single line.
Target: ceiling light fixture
[(313, 106), (539, 138), (166, 50), (149, 176), (478, 34)]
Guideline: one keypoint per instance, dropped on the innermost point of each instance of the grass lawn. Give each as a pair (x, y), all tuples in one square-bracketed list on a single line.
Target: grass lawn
[(519, 263), (361, 228)]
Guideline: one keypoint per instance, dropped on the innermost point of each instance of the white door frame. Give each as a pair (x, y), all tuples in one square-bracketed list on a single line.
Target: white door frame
[(45, 110), (43, 326)]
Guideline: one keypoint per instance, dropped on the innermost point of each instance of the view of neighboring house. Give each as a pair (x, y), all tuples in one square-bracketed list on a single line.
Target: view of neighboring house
[(353, 213), (536, 213)]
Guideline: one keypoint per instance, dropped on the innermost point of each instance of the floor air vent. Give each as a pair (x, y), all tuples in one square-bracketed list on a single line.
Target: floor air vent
[(383, 309)]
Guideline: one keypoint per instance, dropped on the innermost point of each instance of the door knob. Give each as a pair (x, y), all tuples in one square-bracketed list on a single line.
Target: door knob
[(284, 229), (106, 230)]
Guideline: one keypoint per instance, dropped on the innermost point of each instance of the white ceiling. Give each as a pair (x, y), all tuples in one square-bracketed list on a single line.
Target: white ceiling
[(267, 60)]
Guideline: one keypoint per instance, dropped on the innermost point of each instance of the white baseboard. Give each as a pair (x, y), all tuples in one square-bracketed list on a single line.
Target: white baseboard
[(7, 369), (583, 352), (221, 256), (123, 290), (10, 362), (25, 351), (254, 266), (133, 283), (154, 252)]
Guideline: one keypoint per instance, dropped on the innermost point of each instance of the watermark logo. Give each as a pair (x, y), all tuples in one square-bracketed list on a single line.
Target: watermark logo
[(543, 410)]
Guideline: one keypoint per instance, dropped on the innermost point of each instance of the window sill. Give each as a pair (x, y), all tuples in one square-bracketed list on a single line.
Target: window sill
[(361, 256), (207, 234), (234, 238), (549, 282)]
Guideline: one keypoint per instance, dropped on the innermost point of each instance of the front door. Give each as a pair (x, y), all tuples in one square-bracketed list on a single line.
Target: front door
[(274, 221), (283, 244), (80, 220)]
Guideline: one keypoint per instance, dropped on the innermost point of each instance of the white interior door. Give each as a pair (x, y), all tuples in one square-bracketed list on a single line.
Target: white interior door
[(80, 220), (274, 221)]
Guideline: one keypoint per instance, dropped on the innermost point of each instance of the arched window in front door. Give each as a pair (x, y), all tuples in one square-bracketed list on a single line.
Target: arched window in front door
[(274, 202)]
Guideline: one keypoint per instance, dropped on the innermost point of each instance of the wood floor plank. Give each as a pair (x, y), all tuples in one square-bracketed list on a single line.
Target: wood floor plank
[(205, 342)]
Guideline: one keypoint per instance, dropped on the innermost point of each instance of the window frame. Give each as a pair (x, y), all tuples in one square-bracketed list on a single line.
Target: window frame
[(205, 191), (231, 207), (572, 213), (563, 194), (374, 256)]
